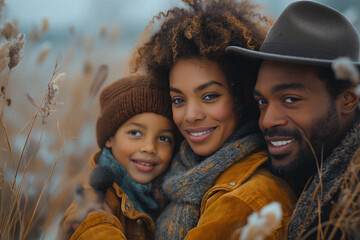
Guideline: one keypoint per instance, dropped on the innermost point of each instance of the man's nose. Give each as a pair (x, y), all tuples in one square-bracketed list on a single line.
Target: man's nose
[(272, 117)]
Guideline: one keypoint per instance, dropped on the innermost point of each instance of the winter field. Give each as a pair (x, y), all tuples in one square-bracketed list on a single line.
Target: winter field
[(54, 60)]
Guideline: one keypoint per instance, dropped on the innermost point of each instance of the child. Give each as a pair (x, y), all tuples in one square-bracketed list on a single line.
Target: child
[(137, 137)]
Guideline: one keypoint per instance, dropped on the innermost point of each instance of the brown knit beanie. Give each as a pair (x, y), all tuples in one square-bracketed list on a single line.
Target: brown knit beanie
[(124, 99)]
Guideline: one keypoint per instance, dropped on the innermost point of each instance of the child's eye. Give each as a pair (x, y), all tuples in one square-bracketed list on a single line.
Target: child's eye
[(210, 97), (135, 133), (177, 101), (165, 139)]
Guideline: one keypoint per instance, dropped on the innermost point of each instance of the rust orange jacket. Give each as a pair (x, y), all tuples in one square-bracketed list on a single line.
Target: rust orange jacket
[(238, 192)]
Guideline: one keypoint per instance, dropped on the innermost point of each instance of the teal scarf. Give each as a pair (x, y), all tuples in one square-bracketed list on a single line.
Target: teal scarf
[(140, 195)]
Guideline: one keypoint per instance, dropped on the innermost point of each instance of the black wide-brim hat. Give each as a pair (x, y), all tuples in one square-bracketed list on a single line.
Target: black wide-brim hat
[(307, 33)]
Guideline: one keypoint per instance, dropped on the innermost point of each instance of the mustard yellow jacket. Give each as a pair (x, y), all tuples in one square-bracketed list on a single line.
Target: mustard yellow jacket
[(238, 192), (125, 223)]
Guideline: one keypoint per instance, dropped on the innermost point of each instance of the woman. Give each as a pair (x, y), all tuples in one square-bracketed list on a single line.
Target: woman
[(219, 176)]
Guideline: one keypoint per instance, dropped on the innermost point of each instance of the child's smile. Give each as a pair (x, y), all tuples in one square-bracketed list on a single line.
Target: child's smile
[(143, 145)]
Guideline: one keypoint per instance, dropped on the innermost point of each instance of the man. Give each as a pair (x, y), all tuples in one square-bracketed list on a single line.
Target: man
[(309, 118)]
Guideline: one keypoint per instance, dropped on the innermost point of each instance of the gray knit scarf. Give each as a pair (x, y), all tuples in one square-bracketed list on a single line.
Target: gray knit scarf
[(191, 176), (333, 174)]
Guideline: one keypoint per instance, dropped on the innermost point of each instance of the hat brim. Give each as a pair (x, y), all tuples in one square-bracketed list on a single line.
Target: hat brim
[(282, 58)]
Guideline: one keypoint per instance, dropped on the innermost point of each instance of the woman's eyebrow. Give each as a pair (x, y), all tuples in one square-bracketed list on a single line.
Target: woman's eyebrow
[(208, 84), (199, 88)]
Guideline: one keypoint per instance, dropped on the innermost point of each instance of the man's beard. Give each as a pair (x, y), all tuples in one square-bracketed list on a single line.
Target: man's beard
[(323, 139)]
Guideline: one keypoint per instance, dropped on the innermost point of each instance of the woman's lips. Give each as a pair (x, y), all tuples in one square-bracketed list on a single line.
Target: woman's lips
[(280, 146), (198, 135), (144, 165)]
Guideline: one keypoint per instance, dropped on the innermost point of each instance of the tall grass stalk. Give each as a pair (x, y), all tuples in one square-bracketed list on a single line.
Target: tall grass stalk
[(42, 192), (3, 104), (12, 215)]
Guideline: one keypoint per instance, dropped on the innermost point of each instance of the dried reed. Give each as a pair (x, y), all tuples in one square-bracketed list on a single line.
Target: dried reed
[(114, 34), (8, 31), (4, 55), (43, 53), (45, 26), (11, 208), (102, 31)]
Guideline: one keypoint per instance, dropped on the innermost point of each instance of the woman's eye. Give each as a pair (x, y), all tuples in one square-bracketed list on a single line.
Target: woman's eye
[(165, 139), (177, 101), (210, 97), (290, 100), (135, 133), (261, 102)]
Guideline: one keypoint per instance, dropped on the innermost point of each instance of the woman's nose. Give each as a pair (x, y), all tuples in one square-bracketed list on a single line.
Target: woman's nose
[(194, 113)]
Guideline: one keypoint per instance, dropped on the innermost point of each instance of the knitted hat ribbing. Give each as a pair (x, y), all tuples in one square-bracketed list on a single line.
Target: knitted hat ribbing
[(125, 98)]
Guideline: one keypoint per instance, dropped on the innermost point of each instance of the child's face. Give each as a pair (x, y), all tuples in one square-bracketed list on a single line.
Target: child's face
[(144, 146)]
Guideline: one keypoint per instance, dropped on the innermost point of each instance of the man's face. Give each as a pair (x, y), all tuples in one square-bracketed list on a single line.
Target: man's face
[(295, 106)]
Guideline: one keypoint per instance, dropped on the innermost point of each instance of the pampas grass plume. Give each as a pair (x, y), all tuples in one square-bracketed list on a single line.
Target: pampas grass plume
[(15, 51), (4, 55), (114, 34), (43, 53), (59, 79), (346, 70), (69, 55), (102, 31), (45, 25), (89, 43), (263, 223), (99, 79), (7, 31)]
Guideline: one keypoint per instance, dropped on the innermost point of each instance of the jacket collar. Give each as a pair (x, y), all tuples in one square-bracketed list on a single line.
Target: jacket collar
[(237, 174)]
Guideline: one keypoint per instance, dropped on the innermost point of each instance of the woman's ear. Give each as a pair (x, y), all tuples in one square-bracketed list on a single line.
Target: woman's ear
[(350, 101)]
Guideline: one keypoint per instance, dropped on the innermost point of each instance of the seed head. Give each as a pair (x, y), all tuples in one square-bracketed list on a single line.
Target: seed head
[(102, 31), (346, 70), (15, 50), (45, 25), (43, 53), (7, 31), (59, 79), (4, 55)]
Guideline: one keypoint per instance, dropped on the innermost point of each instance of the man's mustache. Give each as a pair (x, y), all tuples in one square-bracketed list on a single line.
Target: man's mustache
[(280, 132)]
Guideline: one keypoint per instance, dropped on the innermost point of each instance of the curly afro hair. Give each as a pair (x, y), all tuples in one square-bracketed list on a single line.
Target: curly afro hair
[(203, 30)]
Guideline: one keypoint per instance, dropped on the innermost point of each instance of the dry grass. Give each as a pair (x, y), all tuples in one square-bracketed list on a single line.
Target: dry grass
[(47, 132), (345, 215)]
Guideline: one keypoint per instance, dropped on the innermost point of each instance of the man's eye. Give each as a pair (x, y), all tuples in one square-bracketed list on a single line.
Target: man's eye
[(135, 133), (290, 100)]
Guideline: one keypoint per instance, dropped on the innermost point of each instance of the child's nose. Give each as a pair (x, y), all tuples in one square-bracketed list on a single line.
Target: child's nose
[(149, 147)]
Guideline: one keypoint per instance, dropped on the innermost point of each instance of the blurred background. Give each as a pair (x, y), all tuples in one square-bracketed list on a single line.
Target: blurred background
[(46, 140)]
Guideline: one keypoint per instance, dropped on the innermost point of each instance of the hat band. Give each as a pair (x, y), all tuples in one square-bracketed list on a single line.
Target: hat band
[(296, 51)]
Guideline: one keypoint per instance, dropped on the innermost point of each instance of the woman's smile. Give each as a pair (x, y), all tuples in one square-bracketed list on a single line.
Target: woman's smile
[(198, 135)]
